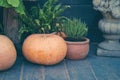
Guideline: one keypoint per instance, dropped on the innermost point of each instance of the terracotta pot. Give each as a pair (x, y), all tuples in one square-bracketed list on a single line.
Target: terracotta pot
[(77, 50)]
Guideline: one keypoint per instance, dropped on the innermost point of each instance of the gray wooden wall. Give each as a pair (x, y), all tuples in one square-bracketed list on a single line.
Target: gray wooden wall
[(80, 9)]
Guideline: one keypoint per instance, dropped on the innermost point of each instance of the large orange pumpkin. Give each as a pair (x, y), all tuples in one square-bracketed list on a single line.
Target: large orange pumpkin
[(7, 53), (46, 49)]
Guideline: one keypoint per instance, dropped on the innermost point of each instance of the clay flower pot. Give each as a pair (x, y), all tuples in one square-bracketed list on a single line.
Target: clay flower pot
[(77, 50)]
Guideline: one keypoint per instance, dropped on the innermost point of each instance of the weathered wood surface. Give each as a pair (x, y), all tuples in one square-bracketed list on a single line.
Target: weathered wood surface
[(91, 68), (10, 24)]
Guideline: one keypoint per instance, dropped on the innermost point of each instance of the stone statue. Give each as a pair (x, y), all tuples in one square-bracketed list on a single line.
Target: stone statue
[(110, 26), (109, 8)]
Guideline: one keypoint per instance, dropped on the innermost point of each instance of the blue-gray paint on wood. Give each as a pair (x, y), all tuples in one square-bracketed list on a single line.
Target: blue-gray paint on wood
[(91, 68), (79, 70), (56, 72), (30, 71), (12, 73), (105, 68)]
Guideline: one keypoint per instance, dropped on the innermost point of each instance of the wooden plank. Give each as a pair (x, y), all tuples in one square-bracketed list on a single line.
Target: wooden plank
[(56, 72), (12, 73), (79, 70), (10, 24), (2, 74), (105, 68), (31, 71)]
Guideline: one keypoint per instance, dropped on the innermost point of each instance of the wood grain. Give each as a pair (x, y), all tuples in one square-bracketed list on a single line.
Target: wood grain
[(91, 68)]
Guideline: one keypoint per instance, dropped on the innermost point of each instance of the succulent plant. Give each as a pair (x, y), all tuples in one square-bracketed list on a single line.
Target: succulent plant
[(75, 29)]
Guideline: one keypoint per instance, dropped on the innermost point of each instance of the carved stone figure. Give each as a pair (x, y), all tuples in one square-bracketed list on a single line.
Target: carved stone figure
[(110, 26), (109, 8)]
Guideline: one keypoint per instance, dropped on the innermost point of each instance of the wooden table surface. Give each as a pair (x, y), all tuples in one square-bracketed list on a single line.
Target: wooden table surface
[(92, 68)]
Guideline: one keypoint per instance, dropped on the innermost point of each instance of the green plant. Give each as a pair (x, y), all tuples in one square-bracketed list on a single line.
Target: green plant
[(16, 4), (75, 29), (41, 19)]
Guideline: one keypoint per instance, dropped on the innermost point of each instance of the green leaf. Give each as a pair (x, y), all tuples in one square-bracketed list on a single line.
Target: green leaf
[(20, 9), (61, 10), (14, 3), (57, 7), (3, 3), (22, 30)]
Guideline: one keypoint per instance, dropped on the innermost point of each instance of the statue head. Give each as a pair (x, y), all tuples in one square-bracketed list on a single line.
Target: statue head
[(109, 8)]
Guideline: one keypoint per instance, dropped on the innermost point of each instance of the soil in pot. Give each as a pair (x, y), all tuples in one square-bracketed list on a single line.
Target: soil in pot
[(74, 39)]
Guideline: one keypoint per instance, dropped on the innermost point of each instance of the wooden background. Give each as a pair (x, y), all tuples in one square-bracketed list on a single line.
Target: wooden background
[(80, 9)]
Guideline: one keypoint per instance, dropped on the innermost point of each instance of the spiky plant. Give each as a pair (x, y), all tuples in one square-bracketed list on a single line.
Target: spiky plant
[(75, 29)]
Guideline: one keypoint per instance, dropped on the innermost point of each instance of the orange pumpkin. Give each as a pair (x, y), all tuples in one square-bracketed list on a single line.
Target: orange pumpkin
[(46, 49), (7, 53)]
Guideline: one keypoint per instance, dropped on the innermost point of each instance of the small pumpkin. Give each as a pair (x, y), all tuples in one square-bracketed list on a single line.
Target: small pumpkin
[(46, 49), (7, 53)]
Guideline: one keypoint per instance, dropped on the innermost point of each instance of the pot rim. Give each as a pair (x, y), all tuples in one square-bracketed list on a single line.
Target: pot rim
[(79, 42)]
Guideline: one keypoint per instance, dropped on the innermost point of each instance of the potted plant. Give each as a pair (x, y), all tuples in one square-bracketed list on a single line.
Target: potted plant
[(41, 19), (77, 43), (7, 51), (41, 46)]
